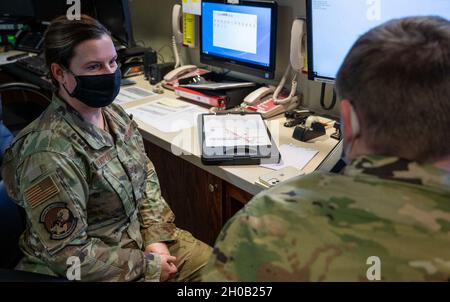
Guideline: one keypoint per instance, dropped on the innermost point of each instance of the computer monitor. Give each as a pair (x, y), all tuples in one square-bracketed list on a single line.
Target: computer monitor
[(335, 25), (240, 37), (113, 14), (16, 8)]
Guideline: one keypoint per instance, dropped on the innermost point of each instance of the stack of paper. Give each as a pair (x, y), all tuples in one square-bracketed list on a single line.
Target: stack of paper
[(167, 115), (132, 93), (292, 156)]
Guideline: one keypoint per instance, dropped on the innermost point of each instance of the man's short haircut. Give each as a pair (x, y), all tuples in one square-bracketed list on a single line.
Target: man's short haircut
[(397, 77)]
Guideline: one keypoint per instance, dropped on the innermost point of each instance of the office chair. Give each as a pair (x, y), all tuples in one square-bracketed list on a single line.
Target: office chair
[(12, 225), (21, 111), (13, 217), (22, 86)]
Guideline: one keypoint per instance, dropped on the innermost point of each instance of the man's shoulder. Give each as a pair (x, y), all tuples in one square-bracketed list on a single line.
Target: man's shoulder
[(366, 205), (334, 224), (296, 193), (355, 191)]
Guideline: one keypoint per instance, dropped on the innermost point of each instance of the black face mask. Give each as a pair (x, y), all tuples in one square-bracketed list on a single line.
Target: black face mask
[(97, 91)]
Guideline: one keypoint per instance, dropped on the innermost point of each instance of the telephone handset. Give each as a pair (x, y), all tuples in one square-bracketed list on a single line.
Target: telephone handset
[(179, 72), (177, 35), (277, 105), (297, 61), (260, 101), (256, 96), (176, 23), (298, 45)]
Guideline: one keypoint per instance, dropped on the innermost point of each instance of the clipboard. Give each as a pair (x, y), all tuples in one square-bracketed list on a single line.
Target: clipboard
[(236, 139)]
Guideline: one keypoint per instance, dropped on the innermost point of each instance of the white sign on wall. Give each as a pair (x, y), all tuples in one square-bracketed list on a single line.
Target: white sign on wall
[(192, 7)]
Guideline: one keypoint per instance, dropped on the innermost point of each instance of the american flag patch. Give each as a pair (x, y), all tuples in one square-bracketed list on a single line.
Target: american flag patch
[(40, 192)]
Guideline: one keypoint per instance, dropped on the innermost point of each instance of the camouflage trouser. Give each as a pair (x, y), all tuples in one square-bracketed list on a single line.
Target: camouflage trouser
[(192, 255)]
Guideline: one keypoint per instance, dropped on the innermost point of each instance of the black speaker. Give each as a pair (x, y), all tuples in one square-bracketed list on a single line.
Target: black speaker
[(158, 71), (150, 58)]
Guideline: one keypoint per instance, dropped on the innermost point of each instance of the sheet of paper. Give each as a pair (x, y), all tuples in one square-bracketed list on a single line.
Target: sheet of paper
[(132, 93), (235, 130), (192, 7), (167, 115), (292, 156)]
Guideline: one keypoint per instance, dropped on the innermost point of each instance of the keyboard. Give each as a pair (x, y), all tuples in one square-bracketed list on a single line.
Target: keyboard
[(34, 64)]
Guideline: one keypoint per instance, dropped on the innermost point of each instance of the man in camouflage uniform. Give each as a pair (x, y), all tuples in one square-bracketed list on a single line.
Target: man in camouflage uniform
[(387, 217), (86, 194)]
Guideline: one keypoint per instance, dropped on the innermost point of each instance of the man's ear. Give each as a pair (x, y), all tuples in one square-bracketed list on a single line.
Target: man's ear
[(58, 73), (349, 120)]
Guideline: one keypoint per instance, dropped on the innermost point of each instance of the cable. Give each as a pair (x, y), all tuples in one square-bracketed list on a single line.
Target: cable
[(168, 45), (322, 98), (175, 52), (178, 59), (161, 58), (142, 43), (294, 84)]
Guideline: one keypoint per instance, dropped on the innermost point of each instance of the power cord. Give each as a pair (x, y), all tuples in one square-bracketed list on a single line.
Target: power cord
[(322, 98)]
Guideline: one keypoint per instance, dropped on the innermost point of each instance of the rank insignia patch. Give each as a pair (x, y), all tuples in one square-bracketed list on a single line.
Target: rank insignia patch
[(58, 221)]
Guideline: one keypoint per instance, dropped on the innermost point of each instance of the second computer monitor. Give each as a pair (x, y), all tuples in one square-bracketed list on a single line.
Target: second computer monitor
[(335, 25), (240, 37)]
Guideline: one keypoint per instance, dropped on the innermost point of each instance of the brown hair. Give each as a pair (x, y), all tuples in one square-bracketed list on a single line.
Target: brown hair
[(63, 35), (397, 76)]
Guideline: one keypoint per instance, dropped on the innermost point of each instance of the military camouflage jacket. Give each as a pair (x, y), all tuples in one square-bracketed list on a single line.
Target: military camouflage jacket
[(384, 218), (87, 193)]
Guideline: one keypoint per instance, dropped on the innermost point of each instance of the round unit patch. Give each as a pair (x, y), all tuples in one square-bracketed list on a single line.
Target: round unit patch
[(58, 221)]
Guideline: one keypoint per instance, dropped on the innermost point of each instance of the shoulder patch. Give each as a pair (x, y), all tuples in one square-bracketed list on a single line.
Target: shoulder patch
[(58, 220), (41, 192)]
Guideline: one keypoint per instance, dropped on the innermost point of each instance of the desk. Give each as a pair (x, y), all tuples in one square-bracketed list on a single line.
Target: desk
[(204, 197)]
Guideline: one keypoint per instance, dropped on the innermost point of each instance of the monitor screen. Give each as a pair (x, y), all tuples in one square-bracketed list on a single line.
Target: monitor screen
[(335, 25), (240, 37), (115, 15), (16, 8)]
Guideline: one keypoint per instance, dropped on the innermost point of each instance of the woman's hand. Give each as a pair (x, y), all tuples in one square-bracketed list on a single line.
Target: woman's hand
[(168, 268), (158, 248), (168, 262)]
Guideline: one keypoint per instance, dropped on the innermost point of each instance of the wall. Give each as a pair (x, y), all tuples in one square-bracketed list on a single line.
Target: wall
[(152, 27)]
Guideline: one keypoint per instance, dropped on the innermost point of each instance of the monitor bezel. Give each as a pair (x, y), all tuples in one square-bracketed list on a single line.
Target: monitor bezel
[(312, 75), (127, 23), (245, 67)]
